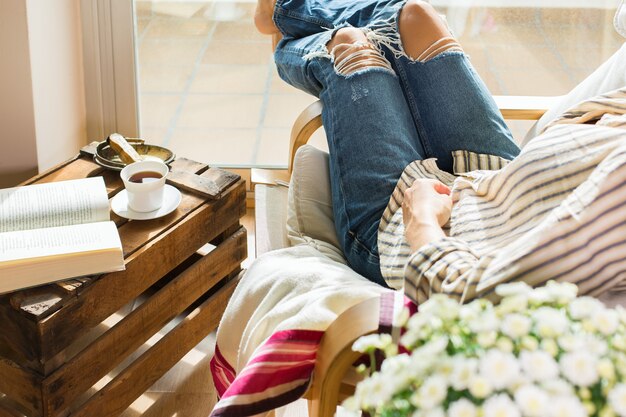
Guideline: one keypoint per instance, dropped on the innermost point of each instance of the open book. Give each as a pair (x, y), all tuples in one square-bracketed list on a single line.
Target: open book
[(50, 232)]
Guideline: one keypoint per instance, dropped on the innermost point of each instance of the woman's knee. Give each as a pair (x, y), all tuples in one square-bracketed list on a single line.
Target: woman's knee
[(423, 32), (347, 35), (352, 51)]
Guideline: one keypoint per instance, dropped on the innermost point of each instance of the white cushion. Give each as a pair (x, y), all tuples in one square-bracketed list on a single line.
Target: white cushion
[(270, 214), (310, 213)]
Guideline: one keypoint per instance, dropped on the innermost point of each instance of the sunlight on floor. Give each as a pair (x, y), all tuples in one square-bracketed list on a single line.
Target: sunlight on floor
[(194, 357), (142, 404)]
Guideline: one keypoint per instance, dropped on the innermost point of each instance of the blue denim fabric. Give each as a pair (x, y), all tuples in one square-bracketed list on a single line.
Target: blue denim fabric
[(377, 121)]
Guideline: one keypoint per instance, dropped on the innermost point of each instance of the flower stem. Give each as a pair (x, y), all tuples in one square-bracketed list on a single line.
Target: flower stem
[(372, 362)]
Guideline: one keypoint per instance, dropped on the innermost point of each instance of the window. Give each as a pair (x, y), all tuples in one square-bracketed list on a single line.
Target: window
[(209, 90)]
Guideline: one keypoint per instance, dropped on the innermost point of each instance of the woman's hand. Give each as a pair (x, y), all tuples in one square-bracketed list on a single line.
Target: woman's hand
[(426, 208)]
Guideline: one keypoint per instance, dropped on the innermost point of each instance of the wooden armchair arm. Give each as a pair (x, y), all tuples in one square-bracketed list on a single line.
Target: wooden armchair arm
[(512, 108), (305, 125), (335, 356), (525, 107)]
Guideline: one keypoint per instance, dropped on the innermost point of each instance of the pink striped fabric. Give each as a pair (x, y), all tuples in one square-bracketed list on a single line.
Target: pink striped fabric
[(281, 369), (279, 373), (223, 374)]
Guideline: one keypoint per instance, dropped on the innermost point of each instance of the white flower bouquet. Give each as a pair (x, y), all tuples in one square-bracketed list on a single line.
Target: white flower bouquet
[(539, 353)]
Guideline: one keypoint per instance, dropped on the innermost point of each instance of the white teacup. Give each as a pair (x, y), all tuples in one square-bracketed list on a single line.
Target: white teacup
[(144, 182)]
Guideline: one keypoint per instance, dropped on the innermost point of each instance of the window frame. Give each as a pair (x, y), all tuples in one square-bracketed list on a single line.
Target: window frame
[(110, 68)]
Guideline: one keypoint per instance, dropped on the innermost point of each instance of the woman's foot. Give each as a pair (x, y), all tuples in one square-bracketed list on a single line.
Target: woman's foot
[(263, 17)]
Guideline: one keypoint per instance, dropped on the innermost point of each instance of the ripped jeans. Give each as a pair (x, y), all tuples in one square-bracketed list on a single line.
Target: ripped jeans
[(380, 118)]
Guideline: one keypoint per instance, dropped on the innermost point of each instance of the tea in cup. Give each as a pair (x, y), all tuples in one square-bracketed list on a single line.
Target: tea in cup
[(144, 182)]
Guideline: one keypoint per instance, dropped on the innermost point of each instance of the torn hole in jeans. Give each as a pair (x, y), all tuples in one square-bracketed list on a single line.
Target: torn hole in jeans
[(446, 44), (385, 35), (350, 58)]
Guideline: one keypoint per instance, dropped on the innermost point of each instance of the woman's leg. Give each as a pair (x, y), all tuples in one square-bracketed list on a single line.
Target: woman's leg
[(370, 131), (451, 106), (300, 18)]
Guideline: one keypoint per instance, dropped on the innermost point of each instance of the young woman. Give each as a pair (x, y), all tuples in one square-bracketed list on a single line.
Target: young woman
[(404, 110)]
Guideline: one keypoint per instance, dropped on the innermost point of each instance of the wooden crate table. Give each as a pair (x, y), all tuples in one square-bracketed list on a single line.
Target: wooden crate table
[(45, 369)]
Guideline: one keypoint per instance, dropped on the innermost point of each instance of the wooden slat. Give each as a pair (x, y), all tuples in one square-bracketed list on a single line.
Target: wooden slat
[(9, 408), (64, 385), (222, 179), (21, 386), (118, 394), (136, 234), (193, 183), (5, 412), (143, 268), (79, 168), (113, 182), (19, 338), (35, 302), (187, 165), (226, 234), (72, 284), (48, 171), (209, 184)]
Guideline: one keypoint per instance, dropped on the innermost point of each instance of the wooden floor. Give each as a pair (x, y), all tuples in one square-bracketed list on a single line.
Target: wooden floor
[(185, 391)]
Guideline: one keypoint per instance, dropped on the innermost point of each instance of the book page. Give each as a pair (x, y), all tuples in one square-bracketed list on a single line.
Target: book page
[(54, 204), (52, 241)]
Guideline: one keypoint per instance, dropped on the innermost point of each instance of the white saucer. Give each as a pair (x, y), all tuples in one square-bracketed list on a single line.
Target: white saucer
[(171, 200)]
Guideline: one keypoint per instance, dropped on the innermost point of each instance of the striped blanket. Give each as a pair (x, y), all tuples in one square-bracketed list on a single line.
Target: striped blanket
[(555, 212), (269, 334)]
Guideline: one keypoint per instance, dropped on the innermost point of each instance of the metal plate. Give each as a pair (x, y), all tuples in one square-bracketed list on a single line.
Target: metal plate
[(108, 158)]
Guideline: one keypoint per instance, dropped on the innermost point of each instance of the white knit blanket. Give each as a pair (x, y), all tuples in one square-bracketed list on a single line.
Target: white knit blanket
[(268, 336)]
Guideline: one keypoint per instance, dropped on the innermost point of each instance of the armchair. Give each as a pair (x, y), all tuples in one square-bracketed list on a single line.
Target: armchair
[(334, 376)]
